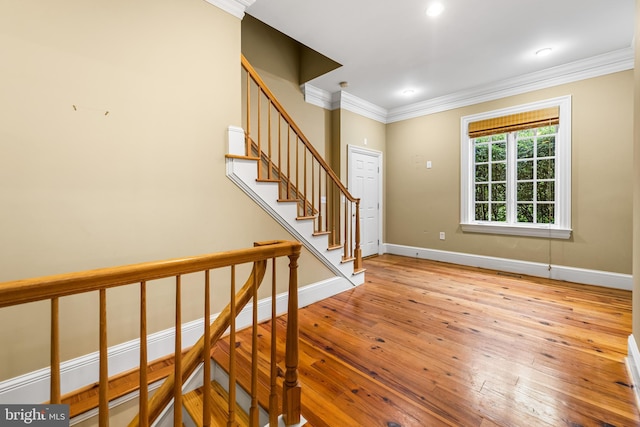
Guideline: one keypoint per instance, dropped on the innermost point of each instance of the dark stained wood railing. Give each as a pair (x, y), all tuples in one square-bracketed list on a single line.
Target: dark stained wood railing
[(55, 287), (285, 155)]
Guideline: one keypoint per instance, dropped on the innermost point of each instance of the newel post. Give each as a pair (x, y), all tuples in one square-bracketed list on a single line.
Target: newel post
[(357, 253), (291, 387)]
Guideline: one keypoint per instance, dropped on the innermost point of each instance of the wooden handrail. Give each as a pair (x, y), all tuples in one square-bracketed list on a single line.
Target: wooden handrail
[(56, 286), (254, 74), (337, 210), (49, 287)]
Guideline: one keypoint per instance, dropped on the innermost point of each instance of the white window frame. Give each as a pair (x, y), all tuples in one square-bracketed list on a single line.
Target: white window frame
[(562, 228)]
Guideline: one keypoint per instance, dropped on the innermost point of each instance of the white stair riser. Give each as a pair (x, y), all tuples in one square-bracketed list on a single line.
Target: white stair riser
[(243, 172)]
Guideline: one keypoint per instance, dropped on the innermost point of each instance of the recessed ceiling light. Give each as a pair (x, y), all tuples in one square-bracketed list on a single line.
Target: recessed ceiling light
[(408, 92), (543, 52), (435, 9)]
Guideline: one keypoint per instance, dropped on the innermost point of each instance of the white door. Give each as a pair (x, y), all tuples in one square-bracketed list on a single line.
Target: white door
[(364, 183)]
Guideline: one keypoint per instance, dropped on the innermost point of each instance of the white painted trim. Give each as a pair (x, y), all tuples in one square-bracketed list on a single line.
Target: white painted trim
[(114, 403), (608, 63), (515, 230), (369, 152), (346, 101), (316, 96), (281, 422), (233, 7), (558, 272), (562, 228), (236, 141), (243, 173), (33, 387), (633, 366)]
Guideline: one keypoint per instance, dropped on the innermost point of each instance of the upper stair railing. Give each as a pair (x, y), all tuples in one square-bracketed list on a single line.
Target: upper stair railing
[(146, 275), (285, 156)]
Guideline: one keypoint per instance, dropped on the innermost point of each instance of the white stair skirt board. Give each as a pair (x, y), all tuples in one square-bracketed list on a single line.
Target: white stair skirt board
[(633, 366), (113, 404), (605, 279), (243, 172), (33, 387)]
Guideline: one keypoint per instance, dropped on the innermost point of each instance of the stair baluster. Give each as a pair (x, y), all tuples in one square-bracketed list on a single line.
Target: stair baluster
[(341, 210)]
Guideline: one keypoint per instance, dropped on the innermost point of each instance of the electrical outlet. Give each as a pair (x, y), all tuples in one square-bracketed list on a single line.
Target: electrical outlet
[(442, 235)]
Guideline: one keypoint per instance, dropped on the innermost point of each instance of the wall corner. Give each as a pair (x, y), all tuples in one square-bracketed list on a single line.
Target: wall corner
[(633, 366)]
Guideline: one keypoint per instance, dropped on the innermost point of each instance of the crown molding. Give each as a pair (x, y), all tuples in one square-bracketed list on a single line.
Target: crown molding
[(342, 100), (316, 96), (612, 62), (234, 7), (346, 101), (608, 63)]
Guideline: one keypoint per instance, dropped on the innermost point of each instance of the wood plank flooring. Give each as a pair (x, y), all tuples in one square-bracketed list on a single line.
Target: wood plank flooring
[(430, 344)]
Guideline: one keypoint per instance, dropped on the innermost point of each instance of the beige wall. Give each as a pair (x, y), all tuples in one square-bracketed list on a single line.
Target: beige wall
[(81, 189), (422, 202), (636, 190), (354, 129)]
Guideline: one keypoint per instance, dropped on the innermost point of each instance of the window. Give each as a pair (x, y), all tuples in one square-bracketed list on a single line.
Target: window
[(516, 170)]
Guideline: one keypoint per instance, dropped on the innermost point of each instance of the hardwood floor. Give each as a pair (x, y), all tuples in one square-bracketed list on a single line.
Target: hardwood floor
[(430, 344)]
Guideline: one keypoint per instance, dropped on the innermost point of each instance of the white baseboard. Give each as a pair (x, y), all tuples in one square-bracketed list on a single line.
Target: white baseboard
[(83, 371), (558, 272), (633, 366)]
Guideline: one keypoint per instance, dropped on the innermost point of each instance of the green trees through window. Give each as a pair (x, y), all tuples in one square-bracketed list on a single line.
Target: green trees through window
[(514, 174)]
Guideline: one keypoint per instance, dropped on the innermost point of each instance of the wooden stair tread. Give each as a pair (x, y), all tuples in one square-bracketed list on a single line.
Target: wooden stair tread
[(220, 355), (302, 218), (193, 403), (267, 180), (86, 398), (238, 156), (321, 233), (334, 247)]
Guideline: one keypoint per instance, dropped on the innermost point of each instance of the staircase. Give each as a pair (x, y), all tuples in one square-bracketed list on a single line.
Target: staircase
[(193, 403), (275, 164), (214, 404), (269, 382), (192, 368)]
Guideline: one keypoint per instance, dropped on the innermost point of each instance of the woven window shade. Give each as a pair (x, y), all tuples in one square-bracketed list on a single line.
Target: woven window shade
[(513, 122)]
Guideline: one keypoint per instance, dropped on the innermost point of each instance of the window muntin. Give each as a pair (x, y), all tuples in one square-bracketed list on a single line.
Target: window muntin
[(490, 167), (533, 183), (535, 175), (518, 181)]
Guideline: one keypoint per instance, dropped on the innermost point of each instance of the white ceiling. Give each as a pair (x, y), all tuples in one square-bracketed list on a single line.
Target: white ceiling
[(388, 46)]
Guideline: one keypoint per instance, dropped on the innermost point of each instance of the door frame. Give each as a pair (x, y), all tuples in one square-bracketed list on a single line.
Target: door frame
[(351, 149)]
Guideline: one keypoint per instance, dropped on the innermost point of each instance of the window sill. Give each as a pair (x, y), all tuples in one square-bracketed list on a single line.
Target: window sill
[(518, 230)]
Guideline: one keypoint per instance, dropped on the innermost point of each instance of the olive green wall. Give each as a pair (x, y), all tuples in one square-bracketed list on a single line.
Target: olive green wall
[(422, 202), (278, 60), (83, 189)]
